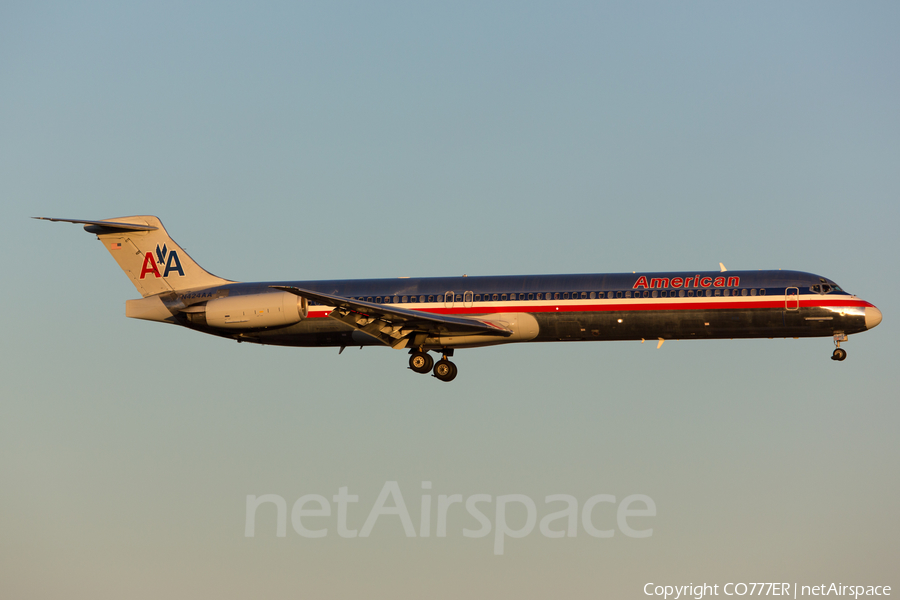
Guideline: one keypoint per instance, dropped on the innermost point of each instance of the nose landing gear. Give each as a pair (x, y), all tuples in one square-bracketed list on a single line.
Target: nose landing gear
[(839, 353)]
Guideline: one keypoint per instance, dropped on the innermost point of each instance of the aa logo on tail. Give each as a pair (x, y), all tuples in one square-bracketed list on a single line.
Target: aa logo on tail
[(163, 257)]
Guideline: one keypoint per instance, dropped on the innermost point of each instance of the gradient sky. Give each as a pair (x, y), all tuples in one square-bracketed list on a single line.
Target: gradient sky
[(306, 141)]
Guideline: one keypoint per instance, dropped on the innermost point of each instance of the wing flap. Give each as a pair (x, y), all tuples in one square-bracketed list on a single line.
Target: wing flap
[(395, 326)]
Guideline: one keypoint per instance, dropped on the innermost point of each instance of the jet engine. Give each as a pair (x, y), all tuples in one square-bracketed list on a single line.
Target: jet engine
[(255, 311)]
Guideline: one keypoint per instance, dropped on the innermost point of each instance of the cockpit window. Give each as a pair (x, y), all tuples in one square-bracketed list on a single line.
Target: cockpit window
[(824, 288)]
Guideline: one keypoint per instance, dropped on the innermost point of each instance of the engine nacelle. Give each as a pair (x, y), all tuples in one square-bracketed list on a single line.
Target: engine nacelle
[(254, 311)]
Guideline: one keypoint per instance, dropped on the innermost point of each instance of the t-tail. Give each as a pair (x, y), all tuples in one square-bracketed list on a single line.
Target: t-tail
[(154, 263)]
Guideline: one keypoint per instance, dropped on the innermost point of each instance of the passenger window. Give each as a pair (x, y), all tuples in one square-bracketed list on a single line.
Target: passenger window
[(459, 298), (593, 296), (681, 293), (503, 297), (512, 296), (477, 297), (440, 297), (628, 294), (743, 292), (655, 293), (691, 293), (369, 299), (718, 292), (531, 296), (618, 294), (753, 292), (762, 292)]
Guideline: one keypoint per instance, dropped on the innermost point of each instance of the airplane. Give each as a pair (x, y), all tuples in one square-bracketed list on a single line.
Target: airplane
[(443, 314)]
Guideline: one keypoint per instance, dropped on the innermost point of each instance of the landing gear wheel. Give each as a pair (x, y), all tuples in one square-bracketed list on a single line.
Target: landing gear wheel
[(421, 362), (445, 370), (839, 354)]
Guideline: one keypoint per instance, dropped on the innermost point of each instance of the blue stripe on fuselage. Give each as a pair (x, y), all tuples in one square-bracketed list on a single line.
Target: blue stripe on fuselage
[(776, 281)]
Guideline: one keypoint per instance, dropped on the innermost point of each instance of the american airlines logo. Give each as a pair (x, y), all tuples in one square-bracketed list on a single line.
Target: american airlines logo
[(164, 259)]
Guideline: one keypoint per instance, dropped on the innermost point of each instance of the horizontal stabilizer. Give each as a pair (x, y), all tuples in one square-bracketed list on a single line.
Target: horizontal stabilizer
[(123, 227)]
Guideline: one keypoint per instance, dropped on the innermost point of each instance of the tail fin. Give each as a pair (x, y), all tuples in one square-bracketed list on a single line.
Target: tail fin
[(150, 258)]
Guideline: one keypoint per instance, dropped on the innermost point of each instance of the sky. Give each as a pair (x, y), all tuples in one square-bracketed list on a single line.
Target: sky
[(305, 141)]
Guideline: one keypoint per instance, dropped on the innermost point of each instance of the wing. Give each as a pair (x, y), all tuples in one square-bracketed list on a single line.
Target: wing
[(395, 326)]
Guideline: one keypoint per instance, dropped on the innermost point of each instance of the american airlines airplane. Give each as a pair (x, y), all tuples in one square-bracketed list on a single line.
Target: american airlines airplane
[(442, 314)]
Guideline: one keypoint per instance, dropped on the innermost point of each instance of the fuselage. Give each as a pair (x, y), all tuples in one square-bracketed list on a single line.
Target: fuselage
[(624, 306)]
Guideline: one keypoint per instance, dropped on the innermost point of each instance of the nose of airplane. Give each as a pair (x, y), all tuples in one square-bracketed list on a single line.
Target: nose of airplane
[(873, 317)]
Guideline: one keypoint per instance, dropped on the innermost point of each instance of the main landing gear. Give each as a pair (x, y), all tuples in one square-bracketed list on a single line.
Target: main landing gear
[(839, 353), (421, 362)]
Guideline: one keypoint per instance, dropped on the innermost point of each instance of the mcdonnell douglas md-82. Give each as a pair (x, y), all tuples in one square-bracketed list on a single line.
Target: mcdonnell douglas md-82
[(442, 314)]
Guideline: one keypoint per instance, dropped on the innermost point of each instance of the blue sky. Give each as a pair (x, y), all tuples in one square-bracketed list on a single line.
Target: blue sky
[(288, 141)]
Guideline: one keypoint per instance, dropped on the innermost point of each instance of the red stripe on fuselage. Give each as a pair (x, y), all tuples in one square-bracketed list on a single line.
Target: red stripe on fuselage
[(678, 304)]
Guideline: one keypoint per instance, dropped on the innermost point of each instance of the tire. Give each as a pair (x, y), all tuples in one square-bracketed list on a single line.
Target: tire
[(421, 362), (445, 370)]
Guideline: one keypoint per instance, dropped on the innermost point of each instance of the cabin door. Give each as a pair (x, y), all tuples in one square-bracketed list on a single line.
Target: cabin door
[(448, 299), (792, 298)]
